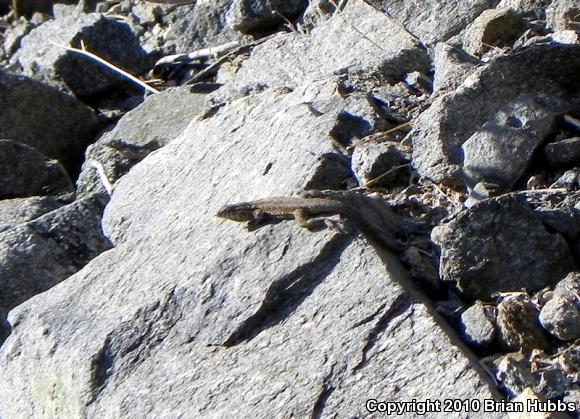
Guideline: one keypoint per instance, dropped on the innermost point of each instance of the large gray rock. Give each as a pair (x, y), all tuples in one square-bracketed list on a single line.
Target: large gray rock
[(300, 123), (360, 42), (40, 116), (434, 20), (500, 151), (499, 245), (158, 120), (440, 131), (37, 255), (107, 38), (25, 172), (274, 322)]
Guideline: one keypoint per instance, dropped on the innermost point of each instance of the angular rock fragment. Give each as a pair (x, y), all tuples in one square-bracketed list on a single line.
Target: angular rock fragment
[(499, 245), (21, 210), (379, 163), (440, 131), (562, 15), (513, 372), (433, 21), (39, 254), (25, 172), (478, 326), (361, 43), (109, 39), (499, 152), (517, 326), (561, 317), (493, 28), (526, 8), (451, 66), (40, 116), (259, 15), (563, 154), (198, 26)]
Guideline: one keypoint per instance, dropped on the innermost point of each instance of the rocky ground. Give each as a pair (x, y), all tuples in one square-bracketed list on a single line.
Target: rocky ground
[(121, 293)]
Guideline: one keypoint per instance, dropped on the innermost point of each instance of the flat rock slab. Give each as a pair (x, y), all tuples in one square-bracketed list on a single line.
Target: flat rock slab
[(360, 42), (248, 149), (440, 131), (434, 20), (54, 123), (193, 315), (482, 249), (148, 127)]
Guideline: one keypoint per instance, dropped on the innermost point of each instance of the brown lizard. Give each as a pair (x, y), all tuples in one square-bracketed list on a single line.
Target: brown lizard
[(309, 209)]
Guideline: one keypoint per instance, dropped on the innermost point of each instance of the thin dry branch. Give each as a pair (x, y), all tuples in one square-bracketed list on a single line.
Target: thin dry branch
[(108, 65)]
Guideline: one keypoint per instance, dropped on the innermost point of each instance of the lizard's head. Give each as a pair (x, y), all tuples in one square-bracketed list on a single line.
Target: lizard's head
[(236, 212)]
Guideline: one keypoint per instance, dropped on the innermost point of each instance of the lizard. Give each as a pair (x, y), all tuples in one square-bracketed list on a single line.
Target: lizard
[(309, 209)]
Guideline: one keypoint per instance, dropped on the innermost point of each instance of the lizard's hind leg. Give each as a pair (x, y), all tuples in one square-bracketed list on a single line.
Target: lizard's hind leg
[(304, 220)]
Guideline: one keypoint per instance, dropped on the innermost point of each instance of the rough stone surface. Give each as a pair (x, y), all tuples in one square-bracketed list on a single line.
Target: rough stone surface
[(566, 37), (493, 28), (440, 131), (199, 25), (41, 253), (109, 39), (560, 317), (513, 371), (21, 210), (563, 14), (372, 161), (527, 8), (451, 66), (517, 327), (434, 20), (302, 122), (25, 172), (478, 327), (564, 153), (569, 286), (481, 249), (313, 321), (52, 122), (378, 49), (250, 15), (564, 220), (140, 131), (499, 152)]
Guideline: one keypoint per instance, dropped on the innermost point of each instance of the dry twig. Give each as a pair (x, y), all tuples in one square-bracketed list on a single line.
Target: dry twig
[(108, 65)]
